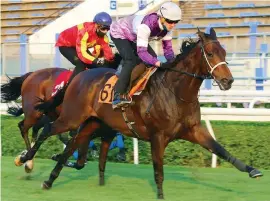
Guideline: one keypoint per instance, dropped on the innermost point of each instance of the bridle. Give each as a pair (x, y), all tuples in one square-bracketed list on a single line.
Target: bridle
[(212, 68)]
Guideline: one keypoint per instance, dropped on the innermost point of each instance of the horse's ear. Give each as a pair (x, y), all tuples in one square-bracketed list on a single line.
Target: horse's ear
[(213, 33), (201, 34)]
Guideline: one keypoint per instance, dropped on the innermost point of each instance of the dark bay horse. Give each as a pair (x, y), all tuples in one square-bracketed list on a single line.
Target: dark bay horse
[(32, 87), (168, 109)]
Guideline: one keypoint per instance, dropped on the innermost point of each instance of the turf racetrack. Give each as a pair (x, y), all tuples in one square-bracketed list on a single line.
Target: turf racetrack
[(131, 183)]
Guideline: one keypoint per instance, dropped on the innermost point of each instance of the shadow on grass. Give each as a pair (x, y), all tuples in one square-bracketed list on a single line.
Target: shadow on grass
[(135, 172)]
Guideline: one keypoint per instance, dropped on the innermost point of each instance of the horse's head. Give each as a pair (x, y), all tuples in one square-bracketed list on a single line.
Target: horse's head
[(214, 59)]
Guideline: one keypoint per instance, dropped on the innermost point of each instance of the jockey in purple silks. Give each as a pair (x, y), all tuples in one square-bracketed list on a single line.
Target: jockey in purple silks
[(131, 36)]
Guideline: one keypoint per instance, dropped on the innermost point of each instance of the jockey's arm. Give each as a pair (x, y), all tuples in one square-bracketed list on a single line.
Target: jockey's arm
[(81, 47), (167, 46), (108, 54), (143, 35)]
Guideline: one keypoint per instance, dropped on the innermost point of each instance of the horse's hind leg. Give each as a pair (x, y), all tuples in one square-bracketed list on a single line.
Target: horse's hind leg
[(57, 127), (202, 137), (24, 127), (84, 135), (41, 122), (29, 165), (104, 148)]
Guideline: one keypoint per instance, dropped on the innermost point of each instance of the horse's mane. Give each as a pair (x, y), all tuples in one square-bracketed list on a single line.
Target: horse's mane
[(186, 47)]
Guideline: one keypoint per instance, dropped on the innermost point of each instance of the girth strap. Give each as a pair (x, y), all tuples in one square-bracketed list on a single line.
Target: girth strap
[(129, 124)]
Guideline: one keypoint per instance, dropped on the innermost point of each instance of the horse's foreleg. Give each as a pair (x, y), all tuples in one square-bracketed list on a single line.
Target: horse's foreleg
[(64, 138), (158, 145), (69, 149), (104, 148), (84, 135), (202, 137), (82, 154)]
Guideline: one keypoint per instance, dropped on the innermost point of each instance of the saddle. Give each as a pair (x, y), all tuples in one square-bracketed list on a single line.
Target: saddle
[(139, 78)]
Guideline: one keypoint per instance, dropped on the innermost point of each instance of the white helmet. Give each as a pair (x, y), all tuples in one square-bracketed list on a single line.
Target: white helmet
[(170, 11)]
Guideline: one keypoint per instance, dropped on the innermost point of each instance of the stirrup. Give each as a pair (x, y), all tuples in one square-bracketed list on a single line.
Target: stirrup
[(122, 104)]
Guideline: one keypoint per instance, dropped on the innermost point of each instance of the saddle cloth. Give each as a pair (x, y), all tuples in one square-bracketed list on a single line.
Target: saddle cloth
[(61, 81), (106, 94)]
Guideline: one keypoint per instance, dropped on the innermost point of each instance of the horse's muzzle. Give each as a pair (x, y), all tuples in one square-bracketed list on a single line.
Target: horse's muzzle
[(225, 83)]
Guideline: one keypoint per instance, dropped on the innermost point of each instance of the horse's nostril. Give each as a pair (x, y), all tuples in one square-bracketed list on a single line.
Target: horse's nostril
[(227, 81), (231, 81)]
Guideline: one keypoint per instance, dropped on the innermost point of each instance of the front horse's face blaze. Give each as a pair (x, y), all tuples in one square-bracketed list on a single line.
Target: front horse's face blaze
[(215, 56)]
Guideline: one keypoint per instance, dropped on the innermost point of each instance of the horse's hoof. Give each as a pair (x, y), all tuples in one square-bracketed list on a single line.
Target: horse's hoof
[(160, 196), (45, 185), (101, 182), (255, 173), (17, 161), (24, 152), (28, 166)]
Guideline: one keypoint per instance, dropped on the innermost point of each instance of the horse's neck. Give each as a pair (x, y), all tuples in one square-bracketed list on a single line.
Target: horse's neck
[(170, 90), (186, 87)]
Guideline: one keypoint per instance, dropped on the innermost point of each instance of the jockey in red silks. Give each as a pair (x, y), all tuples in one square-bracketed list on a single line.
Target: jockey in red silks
[(75, 42), (131, 36)]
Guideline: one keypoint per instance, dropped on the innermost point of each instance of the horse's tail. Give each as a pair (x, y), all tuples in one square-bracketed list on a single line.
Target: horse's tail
[(15, 111), (12, 90)]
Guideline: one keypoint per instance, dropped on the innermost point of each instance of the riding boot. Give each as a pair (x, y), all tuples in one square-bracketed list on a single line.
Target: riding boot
[(120, 98)]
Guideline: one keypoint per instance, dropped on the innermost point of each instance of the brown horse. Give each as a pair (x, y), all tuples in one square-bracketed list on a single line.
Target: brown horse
[(167, 109), (33, 87), (30, 86)]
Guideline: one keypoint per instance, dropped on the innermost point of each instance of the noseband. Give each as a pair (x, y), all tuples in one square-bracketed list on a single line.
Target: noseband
[(212, 68)]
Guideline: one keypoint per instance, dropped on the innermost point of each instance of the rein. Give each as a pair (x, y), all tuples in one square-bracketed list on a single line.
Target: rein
[(194, 75), (201, 77)]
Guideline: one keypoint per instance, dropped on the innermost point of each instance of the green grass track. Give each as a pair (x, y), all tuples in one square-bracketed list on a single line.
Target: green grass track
[(131, 183)]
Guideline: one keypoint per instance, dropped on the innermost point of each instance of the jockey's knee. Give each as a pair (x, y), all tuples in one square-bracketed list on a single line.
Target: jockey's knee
[(128, 65), (80, 66)]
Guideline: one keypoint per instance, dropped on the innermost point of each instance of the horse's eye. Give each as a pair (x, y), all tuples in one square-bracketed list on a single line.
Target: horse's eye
[(210, 54)]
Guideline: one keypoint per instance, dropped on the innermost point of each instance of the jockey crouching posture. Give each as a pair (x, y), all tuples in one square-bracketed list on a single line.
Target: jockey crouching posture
[(74, 43), (131, 36)]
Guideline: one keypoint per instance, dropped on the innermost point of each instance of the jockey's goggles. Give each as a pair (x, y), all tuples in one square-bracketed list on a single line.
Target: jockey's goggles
[(104, 28), (171, 21)]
